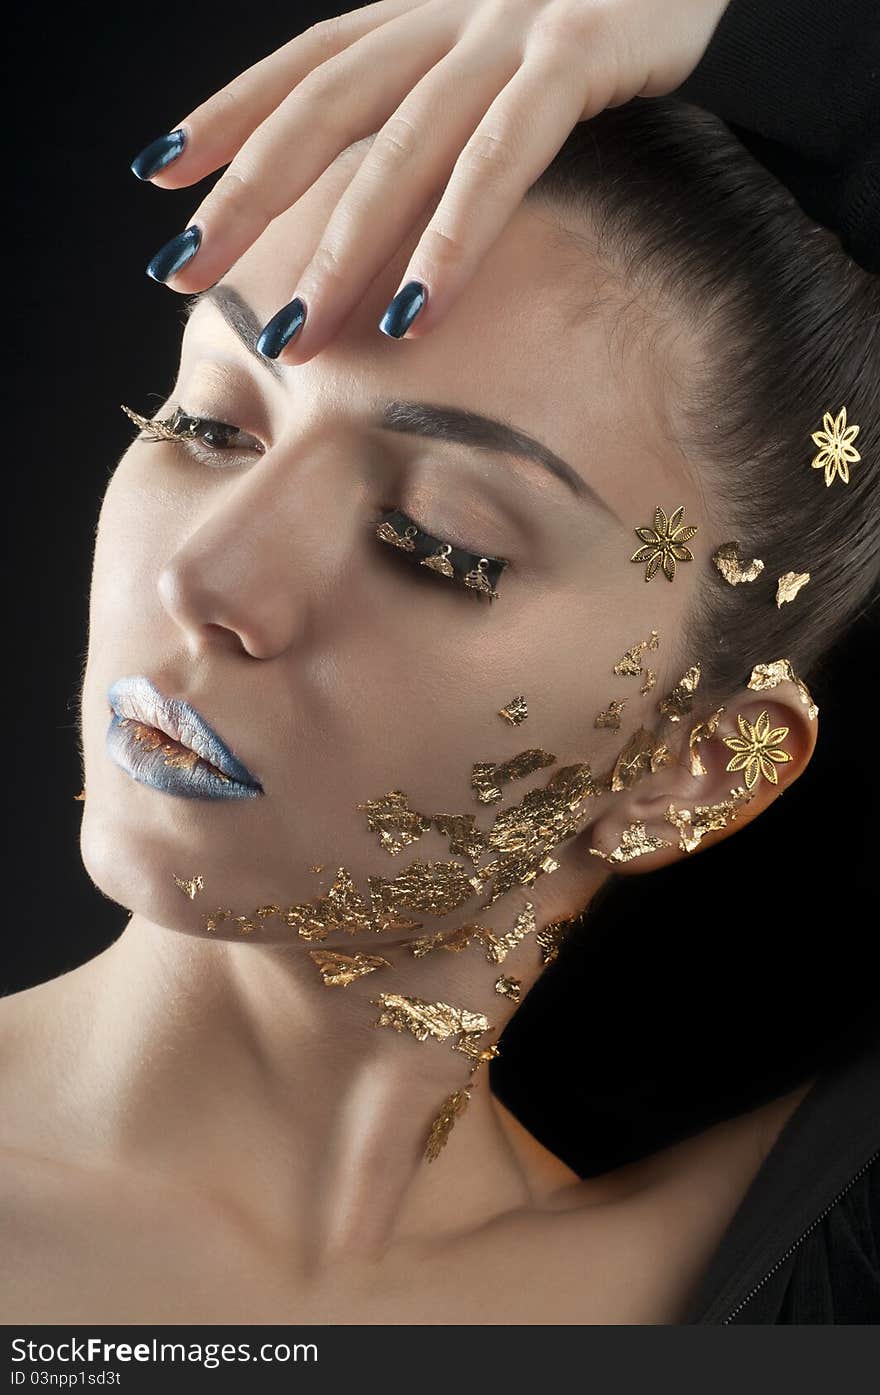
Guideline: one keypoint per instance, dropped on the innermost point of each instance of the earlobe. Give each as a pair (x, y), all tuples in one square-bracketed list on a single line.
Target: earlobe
[(729, 766)]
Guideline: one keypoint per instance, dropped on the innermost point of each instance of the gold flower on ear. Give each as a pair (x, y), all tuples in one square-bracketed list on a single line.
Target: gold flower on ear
[(837, 449), (665, 543), (756, 750)]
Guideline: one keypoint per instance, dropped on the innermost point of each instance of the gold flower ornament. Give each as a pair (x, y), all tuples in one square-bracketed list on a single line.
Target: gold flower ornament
[(836, 447), (757, 751), (664, 543)]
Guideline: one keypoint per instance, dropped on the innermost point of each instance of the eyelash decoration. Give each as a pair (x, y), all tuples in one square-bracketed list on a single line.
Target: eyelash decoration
[(479, 574), (472, 570)]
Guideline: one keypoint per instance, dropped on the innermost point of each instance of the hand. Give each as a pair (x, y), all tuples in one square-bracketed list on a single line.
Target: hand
[(476, 95)]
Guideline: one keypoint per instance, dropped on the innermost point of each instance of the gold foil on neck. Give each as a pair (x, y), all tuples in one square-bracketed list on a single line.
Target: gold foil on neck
[(468, 1043), (487, 777), (265, 912), (339, 970), (441, 1128), (509, 987), (788, 586), (703, 731), (680, 700), (766, 676), (190, 887), (706, 818), (423, 1019), (733, 568), (550, 938), (499, 946), (317, 866), (516, 711), (396, 824), (342, 909), (216, 918), (433, 888), (650, 680), (635, 841), (453, 940), (610, 717)]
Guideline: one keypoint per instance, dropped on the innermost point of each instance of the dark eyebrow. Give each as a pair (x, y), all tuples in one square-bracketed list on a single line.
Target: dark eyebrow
[(455, 425)]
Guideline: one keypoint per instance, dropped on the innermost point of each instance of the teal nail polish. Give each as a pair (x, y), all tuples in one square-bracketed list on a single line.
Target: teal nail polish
[(282, 327), (403, 309), (159, 153), (175, 254)]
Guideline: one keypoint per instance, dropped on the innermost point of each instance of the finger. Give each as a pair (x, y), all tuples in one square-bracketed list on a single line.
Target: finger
[(291, 149), (409, 161), (505, 154), (213, 132)]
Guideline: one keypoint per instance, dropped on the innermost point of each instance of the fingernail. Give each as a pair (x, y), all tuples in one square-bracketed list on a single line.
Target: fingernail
[(159, 153), (277, 334), (403, 309), (175, 254)]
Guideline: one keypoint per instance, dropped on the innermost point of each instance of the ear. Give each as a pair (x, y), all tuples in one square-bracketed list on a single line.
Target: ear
[(772, 741)]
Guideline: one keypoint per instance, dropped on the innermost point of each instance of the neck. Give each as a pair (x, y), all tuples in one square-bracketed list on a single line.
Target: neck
[(231, 1068)]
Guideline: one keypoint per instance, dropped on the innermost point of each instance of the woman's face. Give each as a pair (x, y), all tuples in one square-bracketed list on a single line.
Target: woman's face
[(253, 586)]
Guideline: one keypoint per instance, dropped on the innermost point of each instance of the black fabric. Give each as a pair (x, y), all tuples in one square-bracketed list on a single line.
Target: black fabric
[(798, 83), (804, 1244)]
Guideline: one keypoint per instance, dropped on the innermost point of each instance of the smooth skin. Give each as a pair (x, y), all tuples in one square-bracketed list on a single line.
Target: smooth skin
[(471, 100), (193, 1127)]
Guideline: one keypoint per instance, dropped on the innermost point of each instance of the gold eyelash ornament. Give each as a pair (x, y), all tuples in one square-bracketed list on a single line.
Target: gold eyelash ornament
[(154, 429), (439, 561), (388, 533), (477, 580)]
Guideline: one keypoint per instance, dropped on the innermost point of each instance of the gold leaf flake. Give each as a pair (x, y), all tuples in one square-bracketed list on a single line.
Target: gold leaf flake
[(788, 586), (550, 938), (264, 912), (732, 567), (630, 665), (499, 946), (396, 824), (441, 1128), (516, 711), (434, 888), (706, 818), (643, 753), (453, 940), (487, 777), (423, 1019), (509, 987), (703, 731), (191, 887), (464, 837), (82, 794), (650, 680), (680, 700), (342, 909), (635, 841), (317, 866), (339, 970), (766, 676), (468, 1043), (216, 918), (244, 923), (611, 716)]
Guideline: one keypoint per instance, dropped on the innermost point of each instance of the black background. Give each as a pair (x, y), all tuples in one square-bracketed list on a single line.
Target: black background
[(699, 991)]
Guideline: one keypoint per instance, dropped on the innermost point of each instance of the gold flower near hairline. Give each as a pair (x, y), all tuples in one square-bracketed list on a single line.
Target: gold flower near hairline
[(757, 750), (837, 449), (665, 543)]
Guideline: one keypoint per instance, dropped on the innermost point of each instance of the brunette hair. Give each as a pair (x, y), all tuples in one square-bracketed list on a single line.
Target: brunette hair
[(790, 324)]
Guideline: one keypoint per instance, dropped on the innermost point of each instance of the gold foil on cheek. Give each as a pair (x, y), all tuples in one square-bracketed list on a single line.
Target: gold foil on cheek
[(706, 818), (680, 700), (396, 824), (642, 754), (339, 970), (525, 833), (487, 777), (190, 887), (766, 676), (464, 837), (733, 568), (509, 987), (434, 888), (630, 666), (635, 841), (342, 909), (788, 586), (441, 1128), (516, 711), (703, 731), (454, 941), (611, 716), (650, 680)]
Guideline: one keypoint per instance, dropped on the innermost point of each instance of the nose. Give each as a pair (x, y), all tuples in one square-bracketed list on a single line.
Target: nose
[(247, 577)]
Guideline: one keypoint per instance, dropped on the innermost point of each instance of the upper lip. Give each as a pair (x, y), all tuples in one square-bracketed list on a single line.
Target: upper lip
[(140, 700)]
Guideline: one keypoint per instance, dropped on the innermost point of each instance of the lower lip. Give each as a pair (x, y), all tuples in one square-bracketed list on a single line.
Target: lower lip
[(168, 766)]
